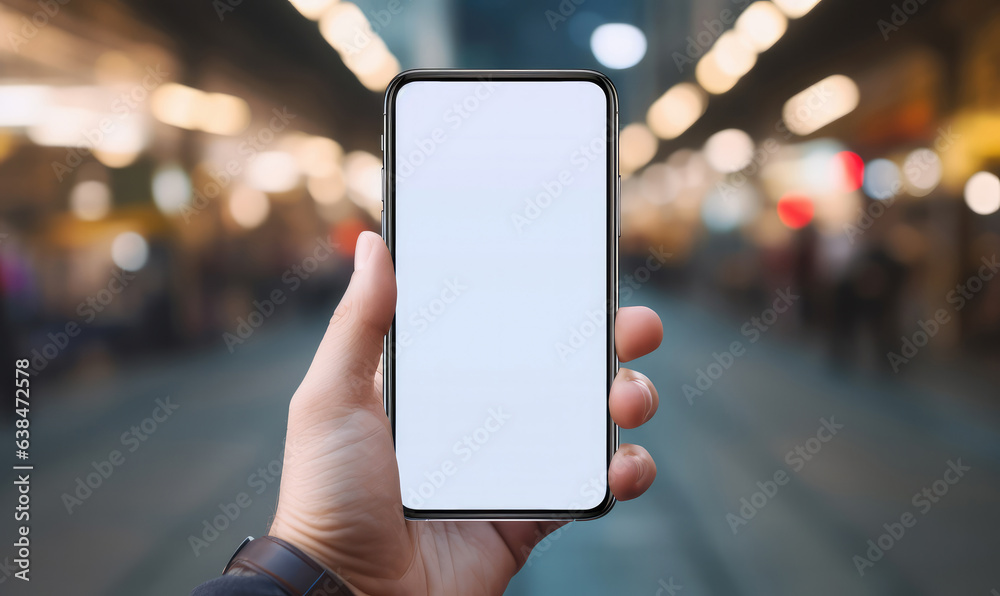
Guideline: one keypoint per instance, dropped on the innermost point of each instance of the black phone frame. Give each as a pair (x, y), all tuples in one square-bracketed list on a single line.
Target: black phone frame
[(613, 234)]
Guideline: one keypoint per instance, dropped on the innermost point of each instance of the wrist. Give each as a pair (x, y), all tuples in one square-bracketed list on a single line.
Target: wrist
[(311, 547)]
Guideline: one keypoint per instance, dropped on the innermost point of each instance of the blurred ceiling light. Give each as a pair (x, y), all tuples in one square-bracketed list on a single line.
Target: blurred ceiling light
[(273, 171), (982, 193), (676, 110), (734, 54), (848, 171), (177, 105), (618, 45), (724, 211), (922, 172), (193, 109), (116, 159), (711, 76), (90, 200), (22, 105), (795, 211), (223, 114), (327, 190), (762, 24), (882, 179), (729, 150), (171, 189), (637, 146), (62, 127), (363, 175), (248, 206), (312, 9), (828, 100), (129, 251), (122, 145), (374, 66), (346, 28), (796, 8), (115, 67), (318, 156)]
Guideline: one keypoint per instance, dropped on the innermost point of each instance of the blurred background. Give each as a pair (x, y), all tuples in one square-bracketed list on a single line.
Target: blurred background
[(810, 203)]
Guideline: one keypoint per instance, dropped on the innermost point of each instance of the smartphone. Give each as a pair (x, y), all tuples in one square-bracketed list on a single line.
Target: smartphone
[(501, 211)]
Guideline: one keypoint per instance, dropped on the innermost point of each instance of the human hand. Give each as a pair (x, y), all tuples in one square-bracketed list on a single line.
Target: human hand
[(340, 498)]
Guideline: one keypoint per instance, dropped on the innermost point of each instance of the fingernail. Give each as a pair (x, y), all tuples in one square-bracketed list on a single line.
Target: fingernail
[(648, 396), (362, 251)]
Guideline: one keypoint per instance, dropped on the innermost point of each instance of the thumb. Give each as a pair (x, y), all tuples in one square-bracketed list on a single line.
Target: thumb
[(342, 372)]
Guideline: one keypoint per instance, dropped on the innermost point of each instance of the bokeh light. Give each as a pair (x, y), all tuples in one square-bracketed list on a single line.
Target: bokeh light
[(171, 189), (848, 171), (676, 110), (637, 146), (312, 9), (882, 179), (922, 172), (273, 171), (618, 45), (982, 193), (821, 104), (796, 8), (795, 211), (90, 200), (728, 207), (729, 150), (248, 206), (129, 251), (762, 24)]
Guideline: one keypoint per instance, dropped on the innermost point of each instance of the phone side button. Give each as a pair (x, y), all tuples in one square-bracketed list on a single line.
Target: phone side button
[(618, 207)]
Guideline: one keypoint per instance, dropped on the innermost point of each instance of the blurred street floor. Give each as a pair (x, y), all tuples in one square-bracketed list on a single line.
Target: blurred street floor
[(132, 535)]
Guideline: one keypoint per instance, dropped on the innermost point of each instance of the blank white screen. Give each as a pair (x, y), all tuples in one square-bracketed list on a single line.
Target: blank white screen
[(501, 262)]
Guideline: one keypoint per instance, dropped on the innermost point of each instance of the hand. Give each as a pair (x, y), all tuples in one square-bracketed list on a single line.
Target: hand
[(340, 497)]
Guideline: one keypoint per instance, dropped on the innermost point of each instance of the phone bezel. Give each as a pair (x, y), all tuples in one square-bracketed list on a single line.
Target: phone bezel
[(613, 233)]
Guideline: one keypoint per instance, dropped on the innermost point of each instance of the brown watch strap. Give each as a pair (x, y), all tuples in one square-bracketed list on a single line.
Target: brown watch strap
[(288, 566)]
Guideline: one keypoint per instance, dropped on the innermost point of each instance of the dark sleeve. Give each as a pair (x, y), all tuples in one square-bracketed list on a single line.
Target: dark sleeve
[(239, 585)]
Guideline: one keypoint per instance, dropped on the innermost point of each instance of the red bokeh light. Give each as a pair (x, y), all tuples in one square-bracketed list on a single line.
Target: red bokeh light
[(850, 169), (795, 211)]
